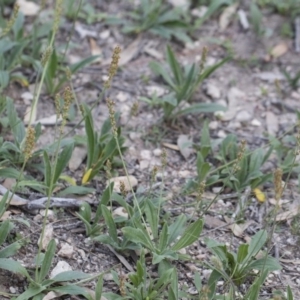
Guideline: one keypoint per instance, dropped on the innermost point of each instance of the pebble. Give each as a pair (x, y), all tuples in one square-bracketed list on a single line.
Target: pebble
[(255, 123), (66, 250), (213, 125), (144, 164), (62, 266), (213, 91), (146, 154), (129, 182), (12, 290), (157, 152), (243, 116), (104, 34), (222, 134)]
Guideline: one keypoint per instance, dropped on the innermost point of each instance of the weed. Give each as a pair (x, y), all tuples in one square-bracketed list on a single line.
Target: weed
[(159, 18), (182, 85), (237, 267)]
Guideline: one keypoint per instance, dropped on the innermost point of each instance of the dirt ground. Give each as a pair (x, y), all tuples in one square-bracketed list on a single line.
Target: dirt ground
[(245, 85)]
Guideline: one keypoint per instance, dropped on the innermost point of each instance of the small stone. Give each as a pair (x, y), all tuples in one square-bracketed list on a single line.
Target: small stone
[(255, 123), (129, 182), (213, 91), (157, 152), (206, 273), (295, 95), (81, 253), (144, 164), (122, 97), (146, 154), (222, 134), (120, 211), (213, 125), (243, 116), (104, 34), (12, 290), (184, 174), (66, 250), (62, 266)]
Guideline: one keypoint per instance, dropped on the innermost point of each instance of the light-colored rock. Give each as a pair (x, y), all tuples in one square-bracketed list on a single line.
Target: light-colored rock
[(130, 181), (104, 34), (144, 164), (146, 154), (243, 116), (62, 266), (120, 211), (235, 98), (213, 91), (213, 125), (157, 152), (66, 250), (222, 134), (255, 123), (122, 97), (48, 235)]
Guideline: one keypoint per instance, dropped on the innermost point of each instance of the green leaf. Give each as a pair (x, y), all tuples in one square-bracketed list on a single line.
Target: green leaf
[(46, 264), (70, 275), (242, 253), (17, 126), (48, 171), (89, 130), (175, 67), (9, 173), (72, 289), (256, 244), (190, 235), (52, 65), (163, 238), (109, 221), (10, 250), (98, 289), (85, 211), (30, 292), (62, 161), (83, 63), (77, 190), (253, 291), (201, 108), (13, 266), (269, 263), (4, 79), (152, 217), (160, 70), (138, 236), (289, 293), (176, 228), (4, 230)]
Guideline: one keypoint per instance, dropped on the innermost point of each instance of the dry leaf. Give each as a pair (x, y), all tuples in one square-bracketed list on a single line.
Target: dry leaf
[(127, 54), (48, 120), (284, 216), (95, 50), (227, 15), (171, 146), (28, 8), (279, 50), (237, 229), (184, 144), (260, 196), (212, 222)]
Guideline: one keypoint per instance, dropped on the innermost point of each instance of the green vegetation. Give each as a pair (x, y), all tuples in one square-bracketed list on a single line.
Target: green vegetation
[(157, 240)]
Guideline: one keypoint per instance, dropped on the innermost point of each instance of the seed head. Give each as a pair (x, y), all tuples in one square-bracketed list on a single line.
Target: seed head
[(57, 15), (113, 66), (29, 143), (134, 109), (11, 21), (278, 184), (164, 158), (123, 189), (46, 55), (111, 109), (240, 155), (203, 59), (108, 169)]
